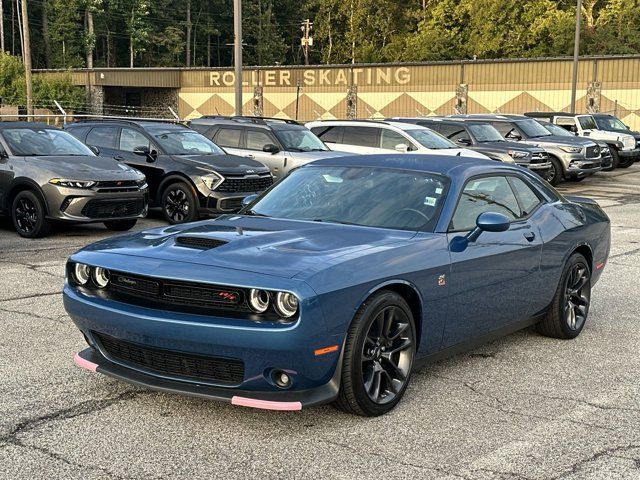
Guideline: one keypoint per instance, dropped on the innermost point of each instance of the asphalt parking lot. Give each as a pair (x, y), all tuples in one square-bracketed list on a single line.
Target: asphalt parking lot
[(524, 407)]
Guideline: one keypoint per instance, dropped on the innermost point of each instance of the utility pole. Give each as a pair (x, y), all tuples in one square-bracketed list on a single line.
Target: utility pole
[(307, 39), (188, 42), (237, 53), (27, 57), (1, 27), (91, 46), (576, 55)]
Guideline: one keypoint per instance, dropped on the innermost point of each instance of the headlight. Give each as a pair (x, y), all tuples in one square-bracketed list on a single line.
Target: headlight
[(101, 277), (141, 182), (518, 154), (259, 300), (571, 149), (286, 304), (81, 273), (212, 181), (63, 182)]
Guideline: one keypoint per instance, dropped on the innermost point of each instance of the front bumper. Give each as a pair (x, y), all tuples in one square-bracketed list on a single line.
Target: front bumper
[(261, 347), (217, 203), (634, 154), (89, 205), (581, 168)]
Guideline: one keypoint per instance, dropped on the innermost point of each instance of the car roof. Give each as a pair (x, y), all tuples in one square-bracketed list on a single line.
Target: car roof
[(557, 114), (367, 123), (487, 117), (437, 120), (120, 122), (245, 120), (438, 164), (32, 125)]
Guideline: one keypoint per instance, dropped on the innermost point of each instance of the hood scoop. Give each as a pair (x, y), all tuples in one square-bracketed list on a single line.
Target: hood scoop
[(203, 243)]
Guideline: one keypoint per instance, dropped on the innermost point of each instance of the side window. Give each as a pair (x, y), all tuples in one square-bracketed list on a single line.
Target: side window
[(228, 137), (455, 132), (328, 134), (130, 139), (389, 139), (203, 129), (78, 132), (486, 194), (102, 137), (257, 139), (361, 136), (529, 200), (566, 123), (505, 129)]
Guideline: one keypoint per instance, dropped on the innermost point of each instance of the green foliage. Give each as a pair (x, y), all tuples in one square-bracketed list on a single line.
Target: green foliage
[(46, 89)]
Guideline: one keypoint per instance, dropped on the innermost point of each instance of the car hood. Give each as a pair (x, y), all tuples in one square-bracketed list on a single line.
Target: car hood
[(85, 167), (224, 164), (269, 246), (311, 156), (507, 145), (558, 140), (463, 152)]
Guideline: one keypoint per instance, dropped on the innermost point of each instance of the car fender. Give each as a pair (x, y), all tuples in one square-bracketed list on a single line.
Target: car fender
[(171, 178), (20, 182)]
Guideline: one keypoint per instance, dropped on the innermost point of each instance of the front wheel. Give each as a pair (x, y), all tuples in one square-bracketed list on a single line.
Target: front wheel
[(121, 225), (554, 175), (28, 215), (179, 203), (621, 162), (568, 312), (378, 356)]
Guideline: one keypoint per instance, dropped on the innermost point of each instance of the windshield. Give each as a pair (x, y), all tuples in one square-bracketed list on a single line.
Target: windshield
[(186, 142), (485, 133), (372, 197), (557, 130), (43, 142), (611, 123), (430, 139), (300, 140), (533, 129)]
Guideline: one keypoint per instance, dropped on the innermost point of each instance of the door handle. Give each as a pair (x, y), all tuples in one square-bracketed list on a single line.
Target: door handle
[(250, 156), (530, 236), (119, 158)]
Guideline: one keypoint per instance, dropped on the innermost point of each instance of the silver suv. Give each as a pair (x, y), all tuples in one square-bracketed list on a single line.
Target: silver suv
[(280, 144)]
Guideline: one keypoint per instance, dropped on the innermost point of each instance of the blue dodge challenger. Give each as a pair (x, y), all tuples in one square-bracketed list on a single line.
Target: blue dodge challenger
[(338, 281)]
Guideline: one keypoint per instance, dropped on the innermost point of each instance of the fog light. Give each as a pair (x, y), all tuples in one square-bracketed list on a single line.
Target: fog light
[(101, 277), (81, 273), (281, 379)]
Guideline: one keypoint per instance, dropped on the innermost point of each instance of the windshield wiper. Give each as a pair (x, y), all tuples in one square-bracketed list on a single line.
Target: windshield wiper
[(253, 213), (330, 220)]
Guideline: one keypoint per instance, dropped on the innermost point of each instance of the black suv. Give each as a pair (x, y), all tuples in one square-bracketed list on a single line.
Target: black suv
[(484, 138), (188, 174)]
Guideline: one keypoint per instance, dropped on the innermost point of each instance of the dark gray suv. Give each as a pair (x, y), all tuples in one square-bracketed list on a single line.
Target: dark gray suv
[(189, 176), (47, 174)]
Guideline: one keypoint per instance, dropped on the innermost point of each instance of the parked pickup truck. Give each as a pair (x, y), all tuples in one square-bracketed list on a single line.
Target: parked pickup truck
[(623, 145)]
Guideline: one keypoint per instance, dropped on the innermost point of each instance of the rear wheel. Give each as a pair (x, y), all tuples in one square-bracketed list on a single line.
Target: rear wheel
[(621, 162), (28, 215), (568, 312), (378, 356), (121, 225), (179, 203), (554, 175)]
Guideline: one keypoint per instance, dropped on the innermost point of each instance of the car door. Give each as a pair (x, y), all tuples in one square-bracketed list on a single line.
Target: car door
[(492, 280), (128, 141), (394, 141), (229, 138), (360, 139), (255, 140), (6, 173)]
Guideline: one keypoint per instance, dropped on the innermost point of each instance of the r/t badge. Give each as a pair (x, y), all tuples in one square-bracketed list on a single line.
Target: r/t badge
[(442, 280)]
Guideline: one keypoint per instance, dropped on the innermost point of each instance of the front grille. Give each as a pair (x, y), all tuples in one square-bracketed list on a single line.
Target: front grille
[(113, 208), (231, 204), (593, 152), (539, 157), (117, 186), (229, 371), (199, 242), (246, 184)]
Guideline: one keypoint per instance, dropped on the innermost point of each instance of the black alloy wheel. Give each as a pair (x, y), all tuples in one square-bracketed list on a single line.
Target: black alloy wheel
[(568, 312), (554, 174), (387, 355), (378, 356), (179, 204), (577, 296), (28, 215)]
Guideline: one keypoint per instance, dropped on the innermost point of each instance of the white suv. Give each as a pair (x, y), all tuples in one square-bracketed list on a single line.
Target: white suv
[(372, 136)]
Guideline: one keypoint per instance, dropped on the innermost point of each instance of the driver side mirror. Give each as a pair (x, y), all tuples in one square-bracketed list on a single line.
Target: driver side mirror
[(3, 154), (514, 136), (464, 141), (145, 151), (402, 147), (486, 222), (248, 199), (94, 149), (270, 148)]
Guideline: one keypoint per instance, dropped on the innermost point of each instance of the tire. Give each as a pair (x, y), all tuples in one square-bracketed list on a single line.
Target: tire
[(121, 225), (615, 158), (367, 388), (576, 179), (554, 175), (620, 163), (560, 322), (28, 214), (179, 203)]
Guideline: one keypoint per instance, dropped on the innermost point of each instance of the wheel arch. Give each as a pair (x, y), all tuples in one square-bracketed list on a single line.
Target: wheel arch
[(21, 184), (585, 250), (410, 293), (174, 177)]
